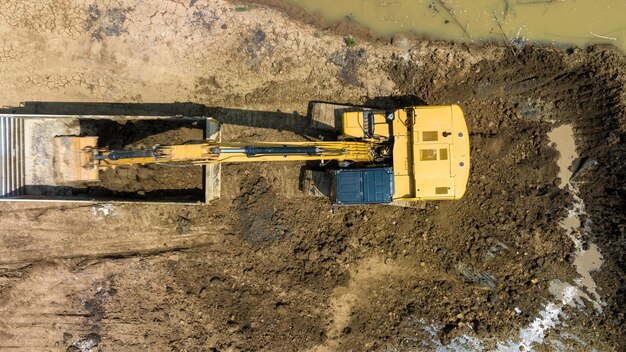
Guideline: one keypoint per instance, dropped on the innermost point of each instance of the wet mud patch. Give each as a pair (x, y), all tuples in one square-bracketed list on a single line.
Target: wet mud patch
[(84, 344), (600, 175), (109, 22), (203, 19), (103, 290), (257, 47), (260, 223), (349, 60)]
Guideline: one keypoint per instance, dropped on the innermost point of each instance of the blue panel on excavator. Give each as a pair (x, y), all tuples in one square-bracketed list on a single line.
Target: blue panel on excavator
[(364, 186)]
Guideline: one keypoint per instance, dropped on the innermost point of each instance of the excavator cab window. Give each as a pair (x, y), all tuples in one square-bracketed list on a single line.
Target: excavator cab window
[(367, 124)]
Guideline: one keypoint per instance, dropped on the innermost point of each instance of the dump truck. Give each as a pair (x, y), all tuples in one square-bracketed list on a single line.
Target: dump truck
[(396, 156)]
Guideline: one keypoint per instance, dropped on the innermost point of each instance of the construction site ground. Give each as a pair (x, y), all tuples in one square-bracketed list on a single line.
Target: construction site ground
[(268, 268)]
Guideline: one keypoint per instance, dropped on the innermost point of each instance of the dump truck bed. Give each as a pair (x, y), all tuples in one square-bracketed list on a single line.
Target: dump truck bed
[(12, 157), (27, 170)]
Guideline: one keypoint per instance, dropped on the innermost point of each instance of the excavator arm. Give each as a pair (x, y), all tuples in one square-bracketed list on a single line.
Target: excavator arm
[(79, 159)]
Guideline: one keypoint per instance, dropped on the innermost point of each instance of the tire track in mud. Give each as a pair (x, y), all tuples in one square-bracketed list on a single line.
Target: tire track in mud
[(101, 232)]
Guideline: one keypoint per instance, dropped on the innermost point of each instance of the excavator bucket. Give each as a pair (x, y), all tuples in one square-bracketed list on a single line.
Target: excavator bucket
[(73, 159)]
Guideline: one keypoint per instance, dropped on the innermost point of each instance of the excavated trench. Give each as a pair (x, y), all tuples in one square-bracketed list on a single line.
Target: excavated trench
[(145, 182)]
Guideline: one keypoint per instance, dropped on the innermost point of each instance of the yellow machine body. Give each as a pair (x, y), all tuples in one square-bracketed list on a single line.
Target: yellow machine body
[(431, 153)]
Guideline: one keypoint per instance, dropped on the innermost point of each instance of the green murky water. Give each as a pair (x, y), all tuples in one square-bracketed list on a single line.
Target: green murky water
[(561, 22)]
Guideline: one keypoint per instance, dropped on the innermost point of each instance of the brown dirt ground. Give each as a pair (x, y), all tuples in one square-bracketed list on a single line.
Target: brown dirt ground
[(267, 268)]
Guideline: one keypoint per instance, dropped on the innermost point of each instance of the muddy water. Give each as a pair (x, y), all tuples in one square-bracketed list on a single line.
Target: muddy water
[(563, 22), (587, 257), (563, 138)]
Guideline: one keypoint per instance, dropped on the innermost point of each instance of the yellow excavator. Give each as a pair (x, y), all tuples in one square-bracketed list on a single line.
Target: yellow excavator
[(410, 154)]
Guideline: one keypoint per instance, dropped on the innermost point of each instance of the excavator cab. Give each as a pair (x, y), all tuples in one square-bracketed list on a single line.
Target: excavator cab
[(367, 124)]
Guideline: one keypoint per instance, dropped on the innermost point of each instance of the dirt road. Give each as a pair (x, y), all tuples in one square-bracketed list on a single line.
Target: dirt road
[(268, 268)]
